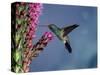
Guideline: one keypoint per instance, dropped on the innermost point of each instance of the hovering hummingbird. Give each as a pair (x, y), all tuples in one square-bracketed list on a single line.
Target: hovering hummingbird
[(62, 34)]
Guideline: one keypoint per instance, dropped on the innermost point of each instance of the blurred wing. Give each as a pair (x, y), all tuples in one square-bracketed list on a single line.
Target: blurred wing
[(68, 29)]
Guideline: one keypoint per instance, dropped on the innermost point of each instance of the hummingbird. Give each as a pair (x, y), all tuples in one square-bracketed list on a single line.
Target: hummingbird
[(62, 34)]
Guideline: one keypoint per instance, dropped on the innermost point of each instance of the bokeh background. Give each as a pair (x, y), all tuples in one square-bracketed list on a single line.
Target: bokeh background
[(83, 39)]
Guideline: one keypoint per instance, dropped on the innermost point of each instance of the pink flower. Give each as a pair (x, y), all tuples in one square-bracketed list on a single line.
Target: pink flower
[(48, 35), (34, 13)]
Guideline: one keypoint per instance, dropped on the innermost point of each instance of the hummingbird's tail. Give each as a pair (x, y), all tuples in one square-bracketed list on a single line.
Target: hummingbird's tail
[(68, 47)]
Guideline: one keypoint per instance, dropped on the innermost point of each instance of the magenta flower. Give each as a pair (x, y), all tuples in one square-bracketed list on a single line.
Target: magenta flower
[(34, 13), (33, 50), (48, 35)]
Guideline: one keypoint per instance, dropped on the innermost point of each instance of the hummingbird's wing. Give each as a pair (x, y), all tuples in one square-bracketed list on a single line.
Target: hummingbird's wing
[(68, 47), (68, 29)]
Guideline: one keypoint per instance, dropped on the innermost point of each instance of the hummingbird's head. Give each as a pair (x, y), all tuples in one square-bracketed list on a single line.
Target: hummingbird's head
[(51, 26)]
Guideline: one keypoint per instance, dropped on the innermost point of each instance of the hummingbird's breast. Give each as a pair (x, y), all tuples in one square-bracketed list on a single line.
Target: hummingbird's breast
[(63, 38)]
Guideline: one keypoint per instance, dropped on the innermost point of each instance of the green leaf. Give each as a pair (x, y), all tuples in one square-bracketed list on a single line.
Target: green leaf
[(17, 68), (17, 56), (21, 8), (17, 38), (18, 21)]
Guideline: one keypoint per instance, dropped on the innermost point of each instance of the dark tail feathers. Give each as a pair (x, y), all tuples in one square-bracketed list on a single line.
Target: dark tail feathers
[(68, 47)]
